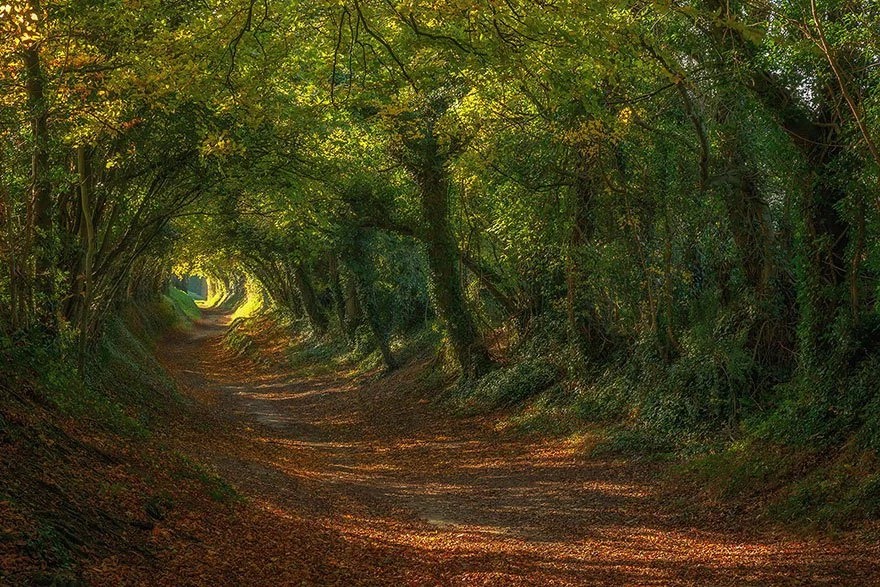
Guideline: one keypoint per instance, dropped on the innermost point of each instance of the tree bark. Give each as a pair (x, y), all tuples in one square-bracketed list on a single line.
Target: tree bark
[(470, 351), (39, 226), (336, 291), (88, 241), (747, 211), (584, 324), (380, 335), (313, 309), (353, 311)]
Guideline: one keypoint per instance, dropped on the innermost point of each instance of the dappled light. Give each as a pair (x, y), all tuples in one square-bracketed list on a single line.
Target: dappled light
[(439, 292), (440, 502)]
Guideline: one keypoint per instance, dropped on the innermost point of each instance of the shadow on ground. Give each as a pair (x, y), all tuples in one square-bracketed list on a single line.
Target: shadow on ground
[(375, 487)]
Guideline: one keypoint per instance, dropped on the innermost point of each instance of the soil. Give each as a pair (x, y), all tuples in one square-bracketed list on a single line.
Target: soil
[(351, 480)]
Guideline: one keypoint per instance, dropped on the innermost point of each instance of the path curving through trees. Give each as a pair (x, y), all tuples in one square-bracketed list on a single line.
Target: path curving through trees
[(363, 482)]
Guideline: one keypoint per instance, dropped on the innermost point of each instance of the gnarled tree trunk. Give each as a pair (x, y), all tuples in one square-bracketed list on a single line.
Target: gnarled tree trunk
[(315, 313), (470, 351), (39, 225)]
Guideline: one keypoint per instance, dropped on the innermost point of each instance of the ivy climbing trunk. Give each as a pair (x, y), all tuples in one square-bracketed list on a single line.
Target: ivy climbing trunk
[(817, 133), (353, 312), (88, 242), (826, 234), (39, 225), (747, 211), (584, 324), (317, 318), (380, 334), (336, 291), (429, 169)]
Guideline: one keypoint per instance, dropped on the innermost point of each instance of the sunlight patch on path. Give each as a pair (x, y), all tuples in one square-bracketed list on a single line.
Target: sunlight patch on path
[(407, 497)]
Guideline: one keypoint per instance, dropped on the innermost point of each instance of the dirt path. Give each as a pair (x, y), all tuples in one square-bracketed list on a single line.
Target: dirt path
[(348, 483)]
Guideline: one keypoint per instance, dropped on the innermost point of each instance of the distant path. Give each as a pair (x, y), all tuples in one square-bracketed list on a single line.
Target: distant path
[(349, 483)]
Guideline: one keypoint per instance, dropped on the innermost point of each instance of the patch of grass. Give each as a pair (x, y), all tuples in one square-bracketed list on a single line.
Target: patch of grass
[(183, 304), (603, 399), (549, 414), (836, 494), (216, 487), (123, 386), (238, 337), (57, 383), (77, 400), (740, 471), (624, 441), (861, 500), (796, 486), (54, 549), (316, 356), (126, 376)]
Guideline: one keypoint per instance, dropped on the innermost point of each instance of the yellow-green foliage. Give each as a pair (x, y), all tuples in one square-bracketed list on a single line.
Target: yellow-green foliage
[(255, 301), (216, 294), (183, 304)]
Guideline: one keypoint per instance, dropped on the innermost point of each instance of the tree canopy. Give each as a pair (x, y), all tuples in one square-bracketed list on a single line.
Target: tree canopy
[(682, 191)]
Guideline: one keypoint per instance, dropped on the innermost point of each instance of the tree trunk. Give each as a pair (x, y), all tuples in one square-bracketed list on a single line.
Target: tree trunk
[(88, 238), (360, 298), (316, 316), (748, 213), (336, 291), (353, 311), (380, 335), (39, 226), (470, 351), (817, 134), (584, 324)]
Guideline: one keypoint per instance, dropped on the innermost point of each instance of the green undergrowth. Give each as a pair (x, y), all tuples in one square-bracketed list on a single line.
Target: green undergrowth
[(812, 455), (502, 388), (802, 451), (122, 387), (183, 304), (276, 337), (59, 430), (829, 489), (245, 335)]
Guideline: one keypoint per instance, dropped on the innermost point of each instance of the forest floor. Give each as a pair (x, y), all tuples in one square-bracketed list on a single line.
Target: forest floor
[(345, 480)]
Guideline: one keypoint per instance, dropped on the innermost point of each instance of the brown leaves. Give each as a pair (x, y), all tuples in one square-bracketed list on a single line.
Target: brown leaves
[(355, 482)]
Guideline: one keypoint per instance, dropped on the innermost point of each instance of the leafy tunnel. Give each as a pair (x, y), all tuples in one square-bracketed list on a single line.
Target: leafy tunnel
[(652, 220)]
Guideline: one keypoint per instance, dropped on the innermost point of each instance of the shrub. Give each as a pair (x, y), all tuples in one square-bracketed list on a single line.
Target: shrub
[(504, 387)]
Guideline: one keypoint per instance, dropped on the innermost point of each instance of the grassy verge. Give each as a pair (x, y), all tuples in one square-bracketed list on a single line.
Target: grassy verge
[(80, 463), (276, 338), (803, 453), (183, 304)]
